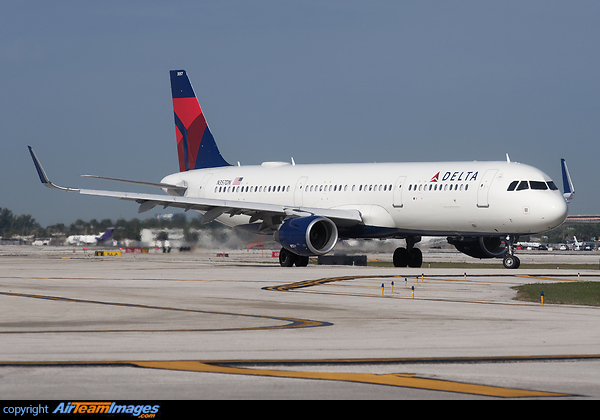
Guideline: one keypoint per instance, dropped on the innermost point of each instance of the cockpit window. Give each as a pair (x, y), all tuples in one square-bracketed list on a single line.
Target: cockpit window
[(534, 185), (538, 185)]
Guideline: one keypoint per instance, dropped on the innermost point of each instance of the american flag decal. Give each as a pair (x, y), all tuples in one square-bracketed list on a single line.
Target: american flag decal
[(238, 180)]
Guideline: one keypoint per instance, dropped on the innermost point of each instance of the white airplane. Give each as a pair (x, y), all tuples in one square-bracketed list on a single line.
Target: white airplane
[(580, 246), (90, 239), (481, 207)]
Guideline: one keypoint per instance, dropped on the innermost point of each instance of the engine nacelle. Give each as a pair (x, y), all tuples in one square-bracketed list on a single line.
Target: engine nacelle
[(479, 247), (307, 236)]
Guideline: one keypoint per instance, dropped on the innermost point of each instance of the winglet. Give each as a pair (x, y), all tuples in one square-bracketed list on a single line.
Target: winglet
[(42, 174), (569, 190)]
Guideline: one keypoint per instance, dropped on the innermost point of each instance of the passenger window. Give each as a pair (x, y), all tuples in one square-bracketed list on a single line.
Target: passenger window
[(538, 185), (523, 185)]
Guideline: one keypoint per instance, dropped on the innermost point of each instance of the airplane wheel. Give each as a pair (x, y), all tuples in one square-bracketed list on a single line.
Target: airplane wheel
[(511, 262), (415, 258), (301, 261), (286, 258), (401, 257)]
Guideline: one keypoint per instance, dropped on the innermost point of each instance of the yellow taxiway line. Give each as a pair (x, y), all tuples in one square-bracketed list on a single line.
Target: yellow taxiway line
[(407, 380), (404, 380)]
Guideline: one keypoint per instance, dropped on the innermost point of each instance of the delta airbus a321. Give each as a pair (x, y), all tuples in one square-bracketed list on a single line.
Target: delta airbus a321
[(481, 207)]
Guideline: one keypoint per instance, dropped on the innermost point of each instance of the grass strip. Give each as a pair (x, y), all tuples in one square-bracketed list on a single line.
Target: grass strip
[(570, 293)]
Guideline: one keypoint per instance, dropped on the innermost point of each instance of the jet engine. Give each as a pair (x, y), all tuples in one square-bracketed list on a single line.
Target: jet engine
[(479, 247), (307, 236)]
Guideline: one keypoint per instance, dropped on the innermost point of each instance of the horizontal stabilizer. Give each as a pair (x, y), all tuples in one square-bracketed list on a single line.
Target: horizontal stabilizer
[(179, 188)]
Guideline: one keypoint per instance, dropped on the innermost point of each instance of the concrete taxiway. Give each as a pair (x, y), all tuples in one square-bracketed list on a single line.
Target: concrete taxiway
[(197, 326)]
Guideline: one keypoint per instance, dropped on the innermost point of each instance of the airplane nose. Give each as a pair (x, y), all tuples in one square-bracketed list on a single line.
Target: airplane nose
[(554, 211)]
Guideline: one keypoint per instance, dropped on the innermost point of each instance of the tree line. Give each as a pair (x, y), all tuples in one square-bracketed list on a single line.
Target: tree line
[(12, 226)]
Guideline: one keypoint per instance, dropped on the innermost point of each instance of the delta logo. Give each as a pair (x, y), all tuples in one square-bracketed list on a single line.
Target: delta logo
[(455, 176), (146, 411)]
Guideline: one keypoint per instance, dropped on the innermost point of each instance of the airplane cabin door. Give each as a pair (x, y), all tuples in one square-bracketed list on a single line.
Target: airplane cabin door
[(299, 191), (397, 194), (484, 188), (204, 185)]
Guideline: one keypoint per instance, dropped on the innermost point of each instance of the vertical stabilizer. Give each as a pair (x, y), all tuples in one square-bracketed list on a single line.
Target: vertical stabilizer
[(196, 147)]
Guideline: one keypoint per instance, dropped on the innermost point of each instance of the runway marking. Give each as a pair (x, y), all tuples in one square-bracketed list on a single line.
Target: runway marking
[(317, 282), (403, 380), (527, 276), (459, 279), (292, 322), (310, 283)]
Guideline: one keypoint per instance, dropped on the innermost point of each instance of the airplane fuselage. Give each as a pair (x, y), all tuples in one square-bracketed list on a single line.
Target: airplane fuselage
[(394, 199)]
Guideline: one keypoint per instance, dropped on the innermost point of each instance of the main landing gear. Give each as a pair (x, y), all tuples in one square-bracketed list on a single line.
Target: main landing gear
[(288, 259), (409, 256), (510, 260)]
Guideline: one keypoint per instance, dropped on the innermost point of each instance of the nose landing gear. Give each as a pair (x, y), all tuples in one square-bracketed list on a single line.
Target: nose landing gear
[(510, 260)]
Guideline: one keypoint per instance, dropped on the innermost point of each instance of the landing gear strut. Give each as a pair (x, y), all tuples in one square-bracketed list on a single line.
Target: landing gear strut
[(510, 260), (409, 256)]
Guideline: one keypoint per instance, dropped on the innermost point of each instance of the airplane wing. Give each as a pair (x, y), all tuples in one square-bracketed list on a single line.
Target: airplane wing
[(271, 215)]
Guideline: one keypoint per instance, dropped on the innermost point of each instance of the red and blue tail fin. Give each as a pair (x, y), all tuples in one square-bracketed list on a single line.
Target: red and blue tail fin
[(196, 146)]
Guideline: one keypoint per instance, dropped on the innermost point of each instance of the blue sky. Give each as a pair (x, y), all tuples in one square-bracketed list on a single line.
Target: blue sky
[(86, 84)]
